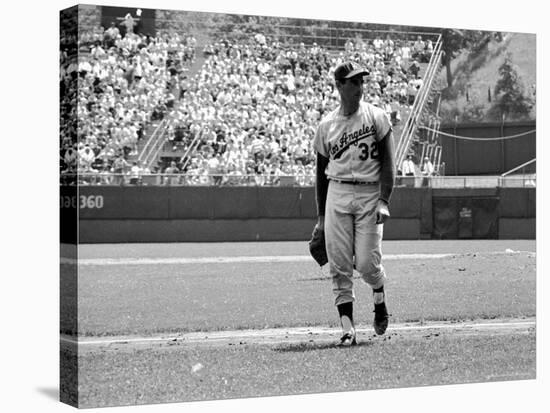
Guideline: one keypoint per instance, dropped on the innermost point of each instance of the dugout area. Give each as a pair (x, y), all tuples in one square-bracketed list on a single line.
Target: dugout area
[(225, 214)]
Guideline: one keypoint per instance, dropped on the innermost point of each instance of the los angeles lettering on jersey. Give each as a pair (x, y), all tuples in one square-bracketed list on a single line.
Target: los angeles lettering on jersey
[(348, 139)]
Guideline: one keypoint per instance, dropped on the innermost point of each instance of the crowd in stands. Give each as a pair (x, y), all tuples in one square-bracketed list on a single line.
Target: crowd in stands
[(248, 117), (113, 90), (254, 107)]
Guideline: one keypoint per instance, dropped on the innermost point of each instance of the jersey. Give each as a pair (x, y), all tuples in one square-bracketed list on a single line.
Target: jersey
[(352, 143)]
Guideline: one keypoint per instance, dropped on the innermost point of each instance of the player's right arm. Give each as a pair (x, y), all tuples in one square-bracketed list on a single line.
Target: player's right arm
[(320, 145), (321, 188)]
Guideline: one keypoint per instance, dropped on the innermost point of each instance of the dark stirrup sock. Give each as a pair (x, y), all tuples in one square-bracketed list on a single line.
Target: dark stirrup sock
[(346, 309)]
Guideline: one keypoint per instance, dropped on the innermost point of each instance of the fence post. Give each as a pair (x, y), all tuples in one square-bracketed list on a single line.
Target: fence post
[(502, 145)]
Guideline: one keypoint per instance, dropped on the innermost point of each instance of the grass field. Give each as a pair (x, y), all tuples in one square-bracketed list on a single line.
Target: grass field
[(149, 316)]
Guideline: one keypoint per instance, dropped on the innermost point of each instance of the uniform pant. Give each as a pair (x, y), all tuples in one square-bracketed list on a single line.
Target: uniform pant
[(353, 238)]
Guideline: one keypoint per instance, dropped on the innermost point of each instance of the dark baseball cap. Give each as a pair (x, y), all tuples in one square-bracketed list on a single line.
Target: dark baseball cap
[(348, 70)]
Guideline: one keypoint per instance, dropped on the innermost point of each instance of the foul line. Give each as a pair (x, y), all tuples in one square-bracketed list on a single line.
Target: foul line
[(282, 333), (226, 260), (251, 259)]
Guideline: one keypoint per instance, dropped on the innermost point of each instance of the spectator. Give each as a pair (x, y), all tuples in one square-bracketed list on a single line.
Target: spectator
[(428, 50), (418, 47), (427, 171), (412, 91), (405, 52), (120, 167), (274, 171), (348, 46), (70, 158), (86, 157), (111, 34), (213, 168), (87, 174), (232, 177), (105, 176), (414, 68), (193, 172), (135, 173), (408, 169), (170, 174), (257, 149), (129, 22)]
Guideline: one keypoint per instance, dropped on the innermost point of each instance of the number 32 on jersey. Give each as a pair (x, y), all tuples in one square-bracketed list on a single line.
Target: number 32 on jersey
[(369, 151)]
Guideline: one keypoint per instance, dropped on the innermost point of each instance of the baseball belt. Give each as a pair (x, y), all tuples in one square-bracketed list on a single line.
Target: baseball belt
[(354, 182)]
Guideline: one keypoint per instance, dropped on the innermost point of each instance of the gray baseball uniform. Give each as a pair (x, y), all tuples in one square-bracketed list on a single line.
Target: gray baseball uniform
[(355, 178), (353, 238)]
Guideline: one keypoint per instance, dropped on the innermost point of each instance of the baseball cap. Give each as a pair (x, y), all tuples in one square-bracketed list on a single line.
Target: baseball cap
[(348, 70)]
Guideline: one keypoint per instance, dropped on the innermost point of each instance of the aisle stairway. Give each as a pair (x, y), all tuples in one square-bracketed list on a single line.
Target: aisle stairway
[(151, 145), (421, 115)]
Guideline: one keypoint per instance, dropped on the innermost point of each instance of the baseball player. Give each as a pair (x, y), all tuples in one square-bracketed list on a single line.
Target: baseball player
[(355, 179)]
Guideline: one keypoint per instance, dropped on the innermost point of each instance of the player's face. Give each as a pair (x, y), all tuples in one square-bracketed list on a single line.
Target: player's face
[(351, 89)]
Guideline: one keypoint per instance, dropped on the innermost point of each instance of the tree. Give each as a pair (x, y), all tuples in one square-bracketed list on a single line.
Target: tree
[(510, 99), (452, 43), (455, 41), (474, 110)]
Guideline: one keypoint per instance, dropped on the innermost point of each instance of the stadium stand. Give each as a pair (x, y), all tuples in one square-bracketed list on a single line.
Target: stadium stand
[(264, 100), (242, 111), (115, 88)]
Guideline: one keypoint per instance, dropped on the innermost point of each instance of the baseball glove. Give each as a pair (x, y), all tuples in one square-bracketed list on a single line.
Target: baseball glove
[(317, 246)]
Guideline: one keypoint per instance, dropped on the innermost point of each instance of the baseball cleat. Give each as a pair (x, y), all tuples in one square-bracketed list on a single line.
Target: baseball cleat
[(348, 340), (381, 317)]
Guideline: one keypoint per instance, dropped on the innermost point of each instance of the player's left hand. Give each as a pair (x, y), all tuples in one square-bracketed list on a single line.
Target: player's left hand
[(317, 245), (382, 212)]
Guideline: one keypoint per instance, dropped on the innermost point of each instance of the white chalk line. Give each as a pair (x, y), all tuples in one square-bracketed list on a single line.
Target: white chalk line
[(285, 333), (226, 260), (243, 259)]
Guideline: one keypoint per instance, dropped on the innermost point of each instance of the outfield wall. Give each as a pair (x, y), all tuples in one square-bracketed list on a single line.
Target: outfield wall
[(487, 155), (213, 214)]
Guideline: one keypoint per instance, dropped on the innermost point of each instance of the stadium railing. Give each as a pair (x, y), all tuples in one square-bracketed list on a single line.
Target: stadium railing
[(482, 181), (415, 115), (153, 145), (523, 181), (524, 169)]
